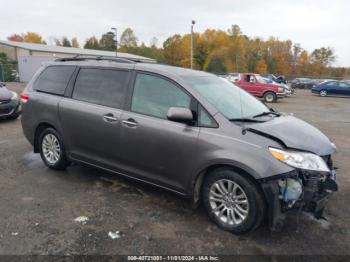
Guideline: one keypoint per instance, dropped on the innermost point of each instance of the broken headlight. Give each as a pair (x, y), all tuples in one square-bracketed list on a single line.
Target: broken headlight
[(302, 160)]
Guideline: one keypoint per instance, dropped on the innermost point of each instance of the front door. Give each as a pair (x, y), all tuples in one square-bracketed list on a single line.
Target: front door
[(245, 83), (253, 86), (91, 118), (154, 148), (332, 88)]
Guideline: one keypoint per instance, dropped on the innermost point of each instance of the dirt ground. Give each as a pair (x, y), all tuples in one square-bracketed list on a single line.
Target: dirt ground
[(39, 206)]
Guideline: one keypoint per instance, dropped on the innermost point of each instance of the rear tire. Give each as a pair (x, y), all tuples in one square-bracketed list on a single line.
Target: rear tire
[(270, 97), (52, 149), (240, 209)]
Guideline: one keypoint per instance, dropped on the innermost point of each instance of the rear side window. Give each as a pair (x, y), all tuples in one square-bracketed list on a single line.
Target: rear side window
[(344, 85), (101, 86), (54, 79)]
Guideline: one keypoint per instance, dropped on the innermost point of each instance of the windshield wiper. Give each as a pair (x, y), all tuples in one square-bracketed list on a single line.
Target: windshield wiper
[(243, 119), (267, 113)]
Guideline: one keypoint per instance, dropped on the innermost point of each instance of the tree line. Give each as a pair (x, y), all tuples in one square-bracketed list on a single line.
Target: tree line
[(216, 51)]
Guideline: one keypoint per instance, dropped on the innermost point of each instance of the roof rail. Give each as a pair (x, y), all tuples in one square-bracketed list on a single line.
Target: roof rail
[(116, 59), (102, 58)]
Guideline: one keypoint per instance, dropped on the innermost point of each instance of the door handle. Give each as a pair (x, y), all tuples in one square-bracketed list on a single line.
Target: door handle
[(110, 118), (130, 122)]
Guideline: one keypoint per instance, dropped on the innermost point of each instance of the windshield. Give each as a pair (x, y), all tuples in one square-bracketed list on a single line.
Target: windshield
[(227, 98)]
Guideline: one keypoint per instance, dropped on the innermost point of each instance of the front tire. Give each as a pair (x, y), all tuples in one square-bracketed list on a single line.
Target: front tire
[(52, 149), (323, 93), (232, 201), (270, 97)]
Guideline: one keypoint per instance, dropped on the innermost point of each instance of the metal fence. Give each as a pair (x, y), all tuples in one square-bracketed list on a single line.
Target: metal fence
[(2, 76), (8, 72)]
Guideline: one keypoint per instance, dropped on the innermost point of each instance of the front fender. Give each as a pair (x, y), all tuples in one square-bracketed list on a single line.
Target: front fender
[(248, 153)]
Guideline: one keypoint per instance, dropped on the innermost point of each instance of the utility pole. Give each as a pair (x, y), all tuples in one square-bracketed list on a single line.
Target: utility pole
[(237, 71), (191, 59), (115, 39)]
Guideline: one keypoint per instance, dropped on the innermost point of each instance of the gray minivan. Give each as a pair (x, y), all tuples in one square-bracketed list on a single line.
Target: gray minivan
[(186, 131)]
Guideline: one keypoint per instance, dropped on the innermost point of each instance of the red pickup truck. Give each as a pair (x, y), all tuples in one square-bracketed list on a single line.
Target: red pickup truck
[(255, 84)]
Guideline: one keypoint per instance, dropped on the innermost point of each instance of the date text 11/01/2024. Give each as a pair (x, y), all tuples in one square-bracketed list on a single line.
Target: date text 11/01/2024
[(173, 258)]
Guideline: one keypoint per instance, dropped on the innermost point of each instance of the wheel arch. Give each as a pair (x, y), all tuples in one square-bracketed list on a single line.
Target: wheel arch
[(41, 127), (197, 185)]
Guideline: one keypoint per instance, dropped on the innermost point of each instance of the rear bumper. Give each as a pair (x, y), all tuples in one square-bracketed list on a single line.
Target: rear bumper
[(28, 126), (312, 200)]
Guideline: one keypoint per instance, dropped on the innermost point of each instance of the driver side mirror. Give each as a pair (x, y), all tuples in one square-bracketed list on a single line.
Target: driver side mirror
[(180, 114)]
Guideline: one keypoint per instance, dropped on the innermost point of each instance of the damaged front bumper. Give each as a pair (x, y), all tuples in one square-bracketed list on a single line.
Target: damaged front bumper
[(297, 190)]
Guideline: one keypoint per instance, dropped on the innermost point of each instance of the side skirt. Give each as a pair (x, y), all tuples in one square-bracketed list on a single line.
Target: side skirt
[(129, 176)]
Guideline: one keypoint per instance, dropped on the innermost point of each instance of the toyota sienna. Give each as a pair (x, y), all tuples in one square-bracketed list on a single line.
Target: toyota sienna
[(186, 131)]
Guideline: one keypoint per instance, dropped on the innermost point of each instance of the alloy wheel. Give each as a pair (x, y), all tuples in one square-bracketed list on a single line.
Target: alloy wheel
[(228, 202), (323, 93), (51, 148)]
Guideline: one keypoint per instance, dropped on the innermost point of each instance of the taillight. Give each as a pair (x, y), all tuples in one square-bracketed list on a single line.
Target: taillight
[(24, 98)]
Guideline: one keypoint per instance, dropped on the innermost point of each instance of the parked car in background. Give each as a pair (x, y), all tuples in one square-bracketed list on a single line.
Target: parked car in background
[(278, 79), (10, 106), (320, 81), (186, 131), (288, 90), (303, 83), (257, 86), (332, 88)]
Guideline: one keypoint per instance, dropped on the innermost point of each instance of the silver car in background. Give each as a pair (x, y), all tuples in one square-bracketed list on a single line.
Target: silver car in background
[(10, 106)]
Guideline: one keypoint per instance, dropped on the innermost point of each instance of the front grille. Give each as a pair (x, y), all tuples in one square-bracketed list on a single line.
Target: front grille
[(313, 185)]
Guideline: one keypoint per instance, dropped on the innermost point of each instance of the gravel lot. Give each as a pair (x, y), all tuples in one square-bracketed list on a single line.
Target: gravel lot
[(38, 206)]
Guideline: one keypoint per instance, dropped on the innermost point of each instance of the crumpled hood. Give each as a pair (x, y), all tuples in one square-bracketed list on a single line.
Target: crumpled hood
[(5, 94), (296, 133)]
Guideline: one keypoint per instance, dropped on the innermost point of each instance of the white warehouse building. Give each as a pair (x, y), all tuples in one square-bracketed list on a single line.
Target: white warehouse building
[(29, 56)]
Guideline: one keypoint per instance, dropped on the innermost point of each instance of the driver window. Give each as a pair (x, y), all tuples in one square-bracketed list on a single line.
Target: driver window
[(154, 96), (249, 78)]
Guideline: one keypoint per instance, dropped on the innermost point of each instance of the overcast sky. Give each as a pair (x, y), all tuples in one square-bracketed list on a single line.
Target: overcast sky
[(311, 23)]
